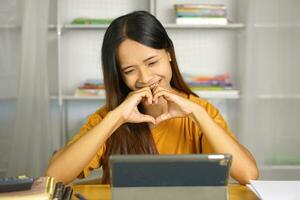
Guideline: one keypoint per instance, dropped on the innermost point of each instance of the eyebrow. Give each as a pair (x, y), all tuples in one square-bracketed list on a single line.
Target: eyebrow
[(143, 61)]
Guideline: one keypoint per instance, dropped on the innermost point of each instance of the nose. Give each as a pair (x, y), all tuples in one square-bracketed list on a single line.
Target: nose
[(145, 75)]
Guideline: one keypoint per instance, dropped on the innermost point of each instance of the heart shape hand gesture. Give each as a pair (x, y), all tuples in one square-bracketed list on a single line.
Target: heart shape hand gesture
[(176, 105)]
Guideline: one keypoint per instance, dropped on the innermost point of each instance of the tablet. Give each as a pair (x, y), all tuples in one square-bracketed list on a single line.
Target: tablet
[(170, 170)]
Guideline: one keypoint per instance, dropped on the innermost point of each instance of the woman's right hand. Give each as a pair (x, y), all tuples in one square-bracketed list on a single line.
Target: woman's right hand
[(128, 108)]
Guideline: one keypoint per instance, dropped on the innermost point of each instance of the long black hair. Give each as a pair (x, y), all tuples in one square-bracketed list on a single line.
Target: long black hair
[(142, 27)]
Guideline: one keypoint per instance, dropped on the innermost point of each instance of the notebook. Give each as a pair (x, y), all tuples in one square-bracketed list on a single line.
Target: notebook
[(170, 176), (41, 189), (275, 190)]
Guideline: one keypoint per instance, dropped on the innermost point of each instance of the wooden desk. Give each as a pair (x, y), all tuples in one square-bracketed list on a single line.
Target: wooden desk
[(102, 192)]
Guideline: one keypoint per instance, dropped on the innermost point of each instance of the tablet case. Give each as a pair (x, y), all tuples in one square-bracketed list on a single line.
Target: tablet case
[(193, 176)]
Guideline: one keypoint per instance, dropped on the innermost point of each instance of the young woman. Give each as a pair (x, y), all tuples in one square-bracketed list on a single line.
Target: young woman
[(149, 109)]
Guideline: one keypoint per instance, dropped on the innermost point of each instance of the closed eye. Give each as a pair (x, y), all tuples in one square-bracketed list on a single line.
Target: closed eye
[(152, 63), (129, 71)]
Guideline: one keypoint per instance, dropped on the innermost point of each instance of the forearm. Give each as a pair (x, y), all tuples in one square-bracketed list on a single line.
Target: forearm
[(69, 161), (243, 164)]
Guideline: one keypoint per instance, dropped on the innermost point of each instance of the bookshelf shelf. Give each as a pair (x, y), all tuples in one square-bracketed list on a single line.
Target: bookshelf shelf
[(14, 26), (227, 26), (289, 167), (85, 26), (168, 26), (226, 94), (268, 167), (278, 96), (275, 25)]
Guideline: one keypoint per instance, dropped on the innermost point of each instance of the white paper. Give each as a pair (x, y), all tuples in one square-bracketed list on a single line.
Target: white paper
[(276, 190), (253, 190)]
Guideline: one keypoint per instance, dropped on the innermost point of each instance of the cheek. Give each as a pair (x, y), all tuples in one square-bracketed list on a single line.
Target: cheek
[(170, 72), (167, 71), (130, 82)]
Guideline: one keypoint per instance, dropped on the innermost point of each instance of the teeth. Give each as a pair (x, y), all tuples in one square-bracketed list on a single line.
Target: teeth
[(153, 85)]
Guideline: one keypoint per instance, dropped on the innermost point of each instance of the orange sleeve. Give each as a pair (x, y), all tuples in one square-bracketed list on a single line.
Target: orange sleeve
[(215, 114), (92, 121)]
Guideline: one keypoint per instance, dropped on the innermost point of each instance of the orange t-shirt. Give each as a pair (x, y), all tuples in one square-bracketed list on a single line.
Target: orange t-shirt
[(173, 136)]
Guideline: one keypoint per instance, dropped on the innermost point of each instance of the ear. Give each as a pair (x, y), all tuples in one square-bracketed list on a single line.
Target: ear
[(169, 56)]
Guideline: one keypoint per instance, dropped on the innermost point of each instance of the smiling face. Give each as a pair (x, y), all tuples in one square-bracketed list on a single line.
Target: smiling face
[(143, 66)]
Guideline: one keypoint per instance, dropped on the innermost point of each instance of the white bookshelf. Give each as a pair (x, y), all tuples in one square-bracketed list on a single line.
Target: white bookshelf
[(78, 49)]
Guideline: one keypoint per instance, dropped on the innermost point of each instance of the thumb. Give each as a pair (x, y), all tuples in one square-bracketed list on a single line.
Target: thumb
[(161, 118), (146, 118)]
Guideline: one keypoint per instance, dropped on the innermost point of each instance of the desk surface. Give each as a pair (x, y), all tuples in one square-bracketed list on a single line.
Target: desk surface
[(102, 192)]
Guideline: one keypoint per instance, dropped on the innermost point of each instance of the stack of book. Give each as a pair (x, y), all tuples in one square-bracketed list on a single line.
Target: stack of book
[(91, 88), (218, 82), (201, 14), (82, 20), (42, 188)]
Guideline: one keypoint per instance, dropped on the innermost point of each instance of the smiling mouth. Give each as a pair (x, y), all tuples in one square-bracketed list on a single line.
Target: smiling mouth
[(154, 85), (151, 86)]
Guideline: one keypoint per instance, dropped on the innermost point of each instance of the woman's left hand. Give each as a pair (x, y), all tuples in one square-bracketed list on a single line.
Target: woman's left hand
[(177, 106)]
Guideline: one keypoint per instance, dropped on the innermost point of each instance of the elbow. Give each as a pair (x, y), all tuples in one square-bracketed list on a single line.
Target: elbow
[(58, 177), (253, 173), (249, 175)]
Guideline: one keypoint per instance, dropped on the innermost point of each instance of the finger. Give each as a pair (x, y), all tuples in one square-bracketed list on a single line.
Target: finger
[(140, 90), (144, 93), (146, 118), (165, 93), (161, 118), (160, 99), (155, 92), (157, 89), (147, 95)]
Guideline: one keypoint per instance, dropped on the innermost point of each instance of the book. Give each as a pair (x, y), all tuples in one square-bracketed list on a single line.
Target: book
[(41, 189), (213, 83), (91, 88), (92, 21), (201, 14), (200, 6), (275, 190), (89, 92), (200, 10), (201, 20)]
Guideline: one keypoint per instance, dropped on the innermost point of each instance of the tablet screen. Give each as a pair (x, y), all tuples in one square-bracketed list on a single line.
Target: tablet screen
[(170, 170)]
